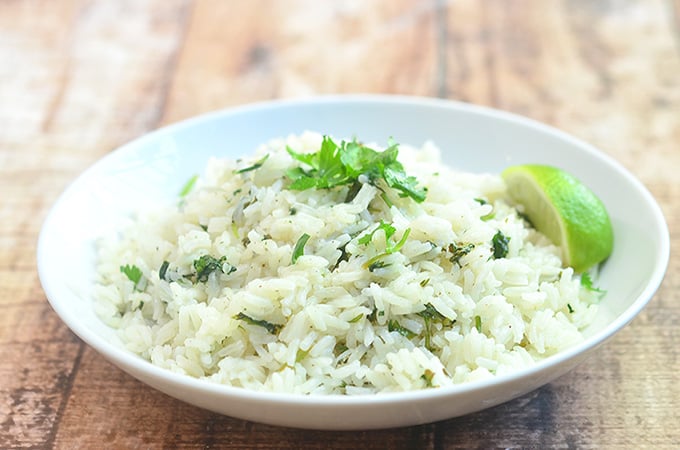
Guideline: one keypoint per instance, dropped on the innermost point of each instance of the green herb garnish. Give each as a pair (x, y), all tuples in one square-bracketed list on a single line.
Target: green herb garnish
[(255, 166), (386, 227), (431, 315), (486, 217), (393, 325), (587, 283), (569, 307), (458, 251), (335, 165), (390, 247), (188, 186), (356, 318), (271, 327), (340, 348), (162, 272), (478, 323), (299, 248), (378, 265), (500, 245), (134, 274), (301, 354), (428, 375), (206, 264)]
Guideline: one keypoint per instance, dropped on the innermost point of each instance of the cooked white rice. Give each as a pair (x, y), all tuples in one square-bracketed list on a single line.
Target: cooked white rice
[(321, 325)]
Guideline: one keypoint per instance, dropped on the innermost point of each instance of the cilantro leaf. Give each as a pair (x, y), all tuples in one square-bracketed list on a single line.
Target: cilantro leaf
[(386, 227), (299, 248), (162, 272), (500, 245), (327, 170), (396, 178), (459, 250), (431, 315), (393, 325), (271, 327), (255, 165), (206, 264), (390, 247), (478, 323), (587, 283), (427, 376), (335, 165), (134, 274), (188, 186)]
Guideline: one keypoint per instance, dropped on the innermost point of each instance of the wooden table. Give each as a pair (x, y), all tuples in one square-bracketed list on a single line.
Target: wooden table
[(78, 78)]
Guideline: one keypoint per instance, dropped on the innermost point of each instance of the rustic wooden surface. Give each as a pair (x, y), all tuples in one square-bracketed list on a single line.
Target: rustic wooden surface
[(80, 77)]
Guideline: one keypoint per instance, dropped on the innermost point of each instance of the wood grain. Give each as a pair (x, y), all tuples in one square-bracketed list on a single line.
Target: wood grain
[(80, 77), (301, 48)]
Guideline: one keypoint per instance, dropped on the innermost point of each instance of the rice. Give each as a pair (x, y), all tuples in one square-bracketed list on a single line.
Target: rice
[(440, 310)]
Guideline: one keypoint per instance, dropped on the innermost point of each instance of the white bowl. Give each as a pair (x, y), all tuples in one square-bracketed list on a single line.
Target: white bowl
[(153, 168)]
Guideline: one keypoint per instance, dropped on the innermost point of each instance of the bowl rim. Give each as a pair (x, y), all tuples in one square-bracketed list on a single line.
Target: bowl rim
[(128, 360)]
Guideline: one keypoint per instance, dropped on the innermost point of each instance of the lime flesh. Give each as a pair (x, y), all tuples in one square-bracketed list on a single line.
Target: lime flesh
[(565, 210)]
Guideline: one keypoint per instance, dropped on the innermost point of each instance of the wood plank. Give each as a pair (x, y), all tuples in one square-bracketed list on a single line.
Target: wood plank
[(245, 51), (78, 79), (146, 418), (591, 72), (34, 382)]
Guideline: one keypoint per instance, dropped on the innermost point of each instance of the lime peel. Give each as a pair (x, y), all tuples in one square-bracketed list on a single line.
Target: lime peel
[(565, 210)]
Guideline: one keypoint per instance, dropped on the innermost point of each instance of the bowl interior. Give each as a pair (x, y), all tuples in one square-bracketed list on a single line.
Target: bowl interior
[(152, 170)]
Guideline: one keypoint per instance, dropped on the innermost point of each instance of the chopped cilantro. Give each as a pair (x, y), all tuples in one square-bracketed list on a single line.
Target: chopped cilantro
[(500, 245), (353, 191), (386, 227), (430, 315), (486, 217), (396, 247), (340, 348), (335, 165), (373, 316), (162, 272), (344, 256), (356, 319), (393, 325), (387, 200), (301, 354), (458, 251), (255, 166), (271, 327), (377, 265), (188, 186), (389, 246), (478, 323), (571, 310), (428, 375), (134, 274), (299, 249), (587, 283), (206, 264)]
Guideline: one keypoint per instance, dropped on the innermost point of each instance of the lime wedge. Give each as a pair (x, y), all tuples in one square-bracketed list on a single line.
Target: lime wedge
[(565, 210)]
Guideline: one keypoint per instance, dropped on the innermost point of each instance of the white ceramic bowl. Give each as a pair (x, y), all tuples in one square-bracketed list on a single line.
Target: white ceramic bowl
[(153, 168)]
